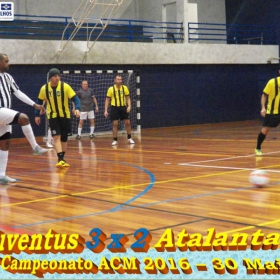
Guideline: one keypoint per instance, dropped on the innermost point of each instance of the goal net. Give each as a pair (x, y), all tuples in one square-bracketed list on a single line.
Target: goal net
[(100, 81)]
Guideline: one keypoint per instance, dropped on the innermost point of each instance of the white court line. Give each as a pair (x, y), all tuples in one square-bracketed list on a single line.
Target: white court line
[(227, 167), (220, 159)]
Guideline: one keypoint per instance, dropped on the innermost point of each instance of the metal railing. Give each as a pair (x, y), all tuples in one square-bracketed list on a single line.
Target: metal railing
[(52, 27), (232, 33)]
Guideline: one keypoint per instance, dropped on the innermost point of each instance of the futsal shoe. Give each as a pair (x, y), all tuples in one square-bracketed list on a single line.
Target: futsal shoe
[(49, 145), (6, 179), (62, 163), (130, 141), (91, 136), (258, 152), (39, 150), (114, 143), (78, 137)]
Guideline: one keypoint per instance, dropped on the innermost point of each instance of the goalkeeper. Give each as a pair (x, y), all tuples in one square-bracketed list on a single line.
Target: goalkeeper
[(87, 99), (118, 97)]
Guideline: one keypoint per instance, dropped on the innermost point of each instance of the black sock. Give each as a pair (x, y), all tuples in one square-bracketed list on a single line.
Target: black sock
[(60, 156), (261, 138), (128, 136), (115, 138)]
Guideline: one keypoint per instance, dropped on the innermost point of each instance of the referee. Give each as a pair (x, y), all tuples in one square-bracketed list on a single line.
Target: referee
[(119, 98), (9, 117)]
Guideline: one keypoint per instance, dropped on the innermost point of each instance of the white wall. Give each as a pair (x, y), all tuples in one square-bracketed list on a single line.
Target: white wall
[(46, 7), (46, 52), (64, 8), (130, 12), (211, 11), (208, 10)]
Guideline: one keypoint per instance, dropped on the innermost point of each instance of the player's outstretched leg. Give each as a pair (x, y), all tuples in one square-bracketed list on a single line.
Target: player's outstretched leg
[(23, 121)]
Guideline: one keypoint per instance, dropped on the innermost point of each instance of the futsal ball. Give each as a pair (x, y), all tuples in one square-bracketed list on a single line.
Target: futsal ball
[(259, 178)]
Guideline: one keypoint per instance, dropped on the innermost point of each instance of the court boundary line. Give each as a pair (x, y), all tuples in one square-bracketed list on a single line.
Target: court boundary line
[(228, 158), (233, 168)]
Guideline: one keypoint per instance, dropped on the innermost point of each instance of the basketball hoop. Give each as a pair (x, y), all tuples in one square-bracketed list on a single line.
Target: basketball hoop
[(83, 19)]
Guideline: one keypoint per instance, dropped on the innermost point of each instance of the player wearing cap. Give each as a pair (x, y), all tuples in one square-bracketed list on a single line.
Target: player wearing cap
[(57, 95)]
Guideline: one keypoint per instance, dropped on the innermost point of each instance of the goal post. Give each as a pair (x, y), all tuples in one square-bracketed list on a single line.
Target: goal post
[(100, 81)]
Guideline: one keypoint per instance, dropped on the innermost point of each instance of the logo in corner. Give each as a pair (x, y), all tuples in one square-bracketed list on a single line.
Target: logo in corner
[(7, 11)]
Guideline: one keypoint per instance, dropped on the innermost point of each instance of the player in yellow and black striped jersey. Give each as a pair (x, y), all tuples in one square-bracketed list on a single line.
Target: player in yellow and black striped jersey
[(271, 114), (119, 98), (57, 95)]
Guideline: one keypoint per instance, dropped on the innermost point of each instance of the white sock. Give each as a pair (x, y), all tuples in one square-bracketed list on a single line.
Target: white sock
[(49, 136), (3, 162), (28, 132), (92, 129), (79, 131)]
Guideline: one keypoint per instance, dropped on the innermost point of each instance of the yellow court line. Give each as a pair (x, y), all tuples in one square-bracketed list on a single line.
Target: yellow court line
[(130, 186), (195, 154), (210, 139), (251, 203), (210, 175), (167, 152), (269, 223), (250, 227), (240, 229), (119, 187), (164, 152)]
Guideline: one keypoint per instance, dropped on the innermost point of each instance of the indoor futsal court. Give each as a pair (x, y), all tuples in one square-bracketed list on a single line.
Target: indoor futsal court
[(189, 177)]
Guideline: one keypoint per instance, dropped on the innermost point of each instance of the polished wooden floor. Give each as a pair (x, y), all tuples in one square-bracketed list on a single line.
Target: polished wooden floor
[(190, 177)]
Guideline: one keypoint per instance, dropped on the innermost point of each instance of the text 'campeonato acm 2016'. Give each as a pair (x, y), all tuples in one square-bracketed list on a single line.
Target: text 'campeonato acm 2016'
[(53, 242)]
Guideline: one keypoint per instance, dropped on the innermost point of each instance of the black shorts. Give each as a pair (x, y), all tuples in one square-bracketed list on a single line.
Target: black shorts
[(271, 120), (119, 113), (60, 126), (5, 136)]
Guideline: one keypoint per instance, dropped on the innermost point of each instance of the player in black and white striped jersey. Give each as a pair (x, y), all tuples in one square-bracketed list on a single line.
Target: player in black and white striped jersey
[(9, 117)]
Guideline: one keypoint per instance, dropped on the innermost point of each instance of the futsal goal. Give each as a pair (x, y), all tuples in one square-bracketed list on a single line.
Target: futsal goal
[(100, 81)]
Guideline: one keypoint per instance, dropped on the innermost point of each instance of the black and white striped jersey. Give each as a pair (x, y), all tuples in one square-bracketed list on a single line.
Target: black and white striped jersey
[(7, 87)]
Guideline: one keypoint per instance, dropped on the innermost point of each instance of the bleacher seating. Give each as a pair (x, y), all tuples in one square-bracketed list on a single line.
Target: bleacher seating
[(53, 30)]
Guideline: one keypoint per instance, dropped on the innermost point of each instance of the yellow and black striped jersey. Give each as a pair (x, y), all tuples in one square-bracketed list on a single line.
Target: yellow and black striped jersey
[(118, 95), (272, 90), (57, 99)]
